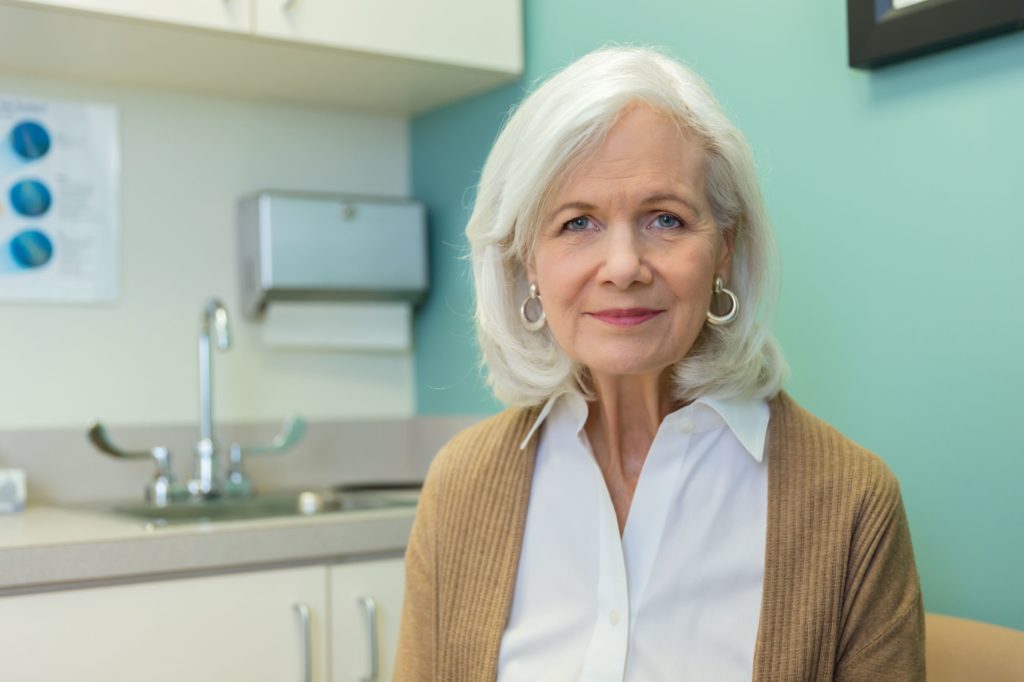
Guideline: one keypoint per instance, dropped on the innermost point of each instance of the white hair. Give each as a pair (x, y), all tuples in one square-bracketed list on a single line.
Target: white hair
[(552, 131)]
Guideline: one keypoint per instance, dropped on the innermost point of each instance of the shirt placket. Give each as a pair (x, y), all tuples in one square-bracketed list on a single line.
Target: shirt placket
[(605, 660)]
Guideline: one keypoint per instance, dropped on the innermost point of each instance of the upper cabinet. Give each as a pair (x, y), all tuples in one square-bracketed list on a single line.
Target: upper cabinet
[(393, 56), (483, 34), (226, 15)]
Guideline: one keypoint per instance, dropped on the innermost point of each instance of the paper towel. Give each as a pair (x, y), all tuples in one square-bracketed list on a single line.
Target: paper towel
[(360, 326)]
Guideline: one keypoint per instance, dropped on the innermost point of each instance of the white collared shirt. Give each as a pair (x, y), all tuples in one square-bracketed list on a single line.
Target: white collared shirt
[(678, 596)]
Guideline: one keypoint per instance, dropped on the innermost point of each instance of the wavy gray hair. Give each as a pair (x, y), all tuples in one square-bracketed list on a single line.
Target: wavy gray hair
[(554, 129)]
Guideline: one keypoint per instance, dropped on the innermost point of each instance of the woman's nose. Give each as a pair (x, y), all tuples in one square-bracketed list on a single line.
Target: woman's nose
[(624, 263)]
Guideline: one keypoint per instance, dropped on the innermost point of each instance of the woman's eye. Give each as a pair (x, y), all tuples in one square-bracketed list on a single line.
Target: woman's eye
[(577, 224), (668, 221)]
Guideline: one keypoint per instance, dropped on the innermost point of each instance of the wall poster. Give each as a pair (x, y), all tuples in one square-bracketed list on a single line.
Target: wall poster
[(59, 201)]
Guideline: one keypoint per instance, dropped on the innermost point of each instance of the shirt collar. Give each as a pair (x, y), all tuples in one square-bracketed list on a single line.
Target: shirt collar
[(746, 418), (575, 402)]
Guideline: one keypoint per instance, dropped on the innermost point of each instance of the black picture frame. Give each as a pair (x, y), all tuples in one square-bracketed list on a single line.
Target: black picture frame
[(880, 35)]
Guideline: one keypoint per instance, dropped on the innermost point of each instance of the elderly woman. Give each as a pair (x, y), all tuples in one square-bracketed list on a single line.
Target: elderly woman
[(651, 506)]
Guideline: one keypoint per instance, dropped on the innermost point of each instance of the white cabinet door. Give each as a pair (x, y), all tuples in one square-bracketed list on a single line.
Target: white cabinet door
[(383, 581), (396, 56), (242, 626), (228, 15), (477, 33)]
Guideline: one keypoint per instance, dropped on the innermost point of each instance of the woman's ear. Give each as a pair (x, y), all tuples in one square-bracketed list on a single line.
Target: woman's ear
[(724, 268), (530, 270)]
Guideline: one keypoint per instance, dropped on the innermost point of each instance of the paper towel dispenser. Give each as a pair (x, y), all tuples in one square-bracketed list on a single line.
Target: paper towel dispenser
[(325, 247)]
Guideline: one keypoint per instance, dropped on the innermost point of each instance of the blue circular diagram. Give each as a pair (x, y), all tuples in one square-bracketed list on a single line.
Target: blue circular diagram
[(30, 140), (31, 249), (30, 198)]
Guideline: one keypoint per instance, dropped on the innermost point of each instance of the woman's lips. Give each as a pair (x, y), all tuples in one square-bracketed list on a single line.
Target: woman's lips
[(625, 317)]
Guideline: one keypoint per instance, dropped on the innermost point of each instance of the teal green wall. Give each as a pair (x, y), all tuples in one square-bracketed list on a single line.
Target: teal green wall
[(898, 200)]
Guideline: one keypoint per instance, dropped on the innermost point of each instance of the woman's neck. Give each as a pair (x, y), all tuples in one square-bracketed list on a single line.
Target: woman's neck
[(621, 425)]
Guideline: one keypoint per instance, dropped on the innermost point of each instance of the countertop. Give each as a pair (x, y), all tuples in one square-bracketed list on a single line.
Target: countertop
[(46, 548)]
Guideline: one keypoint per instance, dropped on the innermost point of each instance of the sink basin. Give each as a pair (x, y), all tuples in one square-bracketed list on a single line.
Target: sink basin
[(270, 504)]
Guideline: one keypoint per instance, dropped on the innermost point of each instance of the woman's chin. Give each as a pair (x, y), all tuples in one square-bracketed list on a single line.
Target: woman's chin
[(627, 364)]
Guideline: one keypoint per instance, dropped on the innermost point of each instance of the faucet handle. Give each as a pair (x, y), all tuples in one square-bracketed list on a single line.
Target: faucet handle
[(238, 482), (291, 433), (99, 437), (162, 489)]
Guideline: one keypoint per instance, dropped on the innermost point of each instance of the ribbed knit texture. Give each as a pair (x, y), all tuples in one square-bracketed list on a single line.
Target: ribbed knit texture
[(841, 596)]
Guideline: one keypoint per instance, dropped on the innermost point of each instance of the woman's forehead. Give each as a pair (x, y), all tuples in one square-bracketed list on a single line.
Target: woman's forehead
[(645, 154)]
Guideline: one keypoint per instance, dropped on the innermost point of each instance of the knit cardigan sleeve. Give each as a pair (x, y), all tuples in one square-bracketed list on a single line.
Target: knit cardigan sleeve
[(882, 633), (463, 553), (842, 599), (416, 657)]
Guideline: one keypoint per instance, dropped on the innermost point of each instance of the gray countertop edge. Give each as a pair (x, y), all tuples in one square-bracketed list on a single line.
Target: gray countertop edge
[(210, 548)]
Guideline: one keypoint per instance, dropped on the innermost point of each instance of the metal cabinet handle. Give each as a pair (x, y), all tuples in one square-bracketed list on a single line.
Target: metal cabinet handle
[(370, 610), (307, 642)]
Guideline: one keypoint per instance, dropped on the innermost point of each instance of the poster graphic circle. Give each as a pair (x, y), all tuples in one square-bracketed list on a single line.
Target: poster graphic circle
[(30, 198), (30, 140), (31, 249)]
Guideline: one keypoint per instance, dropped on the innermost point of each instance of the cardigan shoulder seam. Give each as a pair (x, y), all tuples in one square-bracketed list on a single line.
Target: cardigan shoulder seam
[(913, 606), (840, 451), (497, 429)]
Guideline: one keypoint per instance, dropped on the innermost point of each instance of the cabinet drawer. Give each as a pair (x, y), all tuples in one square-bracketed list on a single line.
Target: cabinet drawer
[(232, 627), (383, 581)]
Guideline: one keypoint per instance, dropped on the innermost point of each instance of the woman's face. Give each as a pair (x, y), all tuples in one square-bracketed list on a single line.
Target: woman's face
[(627, 253)]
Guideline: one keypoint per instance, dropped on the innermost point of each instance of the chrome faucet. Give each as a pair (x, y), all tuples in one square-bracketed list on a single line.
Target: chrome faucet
[(215, 316), (163, 490)]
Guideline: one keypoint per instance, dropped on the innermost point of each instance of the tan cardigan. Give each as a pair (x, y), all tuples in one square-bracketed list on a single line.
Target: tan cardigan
[(841, 597)]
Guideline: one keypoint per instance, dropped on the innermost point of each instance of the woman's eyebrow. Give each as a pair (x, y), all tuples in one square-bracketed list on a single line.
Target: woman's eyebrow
[(670, 196), (577, 205), (650, 199)]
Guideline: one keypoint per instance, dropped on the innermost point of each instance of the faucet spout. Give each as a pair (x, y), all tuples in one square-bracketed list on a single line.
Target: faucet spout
[(214, 321)]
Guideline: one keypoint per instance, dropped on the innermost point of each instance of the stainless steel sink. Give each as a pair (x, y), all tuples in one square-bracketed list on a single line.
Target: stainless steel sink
[(270, 504)]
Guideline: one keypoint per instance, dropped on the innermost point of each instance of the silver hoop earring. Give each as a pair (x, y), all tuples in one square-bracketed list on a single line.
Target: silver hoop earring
[(734, 311), (537, 324)]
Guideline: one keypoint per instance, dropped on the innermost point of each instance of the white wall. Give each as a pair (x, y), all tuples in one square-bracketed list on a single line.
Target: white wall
[(185, 161)]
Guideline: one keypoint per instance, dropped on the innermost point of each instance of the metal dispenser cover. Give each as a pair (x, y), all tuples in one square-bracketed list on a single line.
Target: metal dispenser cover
[(325, 247)]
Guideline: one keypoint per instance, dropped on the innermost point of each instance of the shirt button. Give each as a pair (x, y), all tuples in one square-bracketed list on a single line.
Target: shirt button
[(613, 617), (686, 426)]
